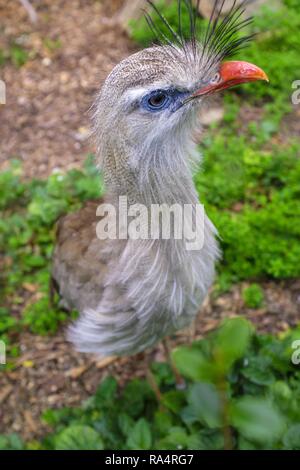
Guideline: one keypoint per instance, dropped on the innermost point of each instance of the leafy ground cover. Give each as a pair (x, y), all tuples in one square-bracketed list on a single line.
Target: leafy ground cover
[(242, 392), (29, 211)]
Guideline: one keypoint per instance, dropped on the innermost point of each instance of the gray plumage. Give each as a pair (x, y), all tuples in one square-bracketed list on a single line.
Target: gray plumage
[(131, 293)]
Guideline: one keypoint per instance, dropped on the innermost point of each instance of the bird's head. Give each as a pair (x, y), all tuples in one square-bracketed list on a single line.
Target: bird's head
[(150, 99)]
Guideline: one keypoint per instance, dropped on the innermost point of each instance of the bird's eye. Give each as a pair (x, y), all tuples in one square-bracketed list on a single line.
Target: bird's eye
[(158, 100)]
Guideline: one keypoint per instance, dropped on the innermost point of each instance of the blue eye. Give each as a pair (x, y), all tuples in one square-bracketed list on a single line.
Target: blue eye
[(157, 100)]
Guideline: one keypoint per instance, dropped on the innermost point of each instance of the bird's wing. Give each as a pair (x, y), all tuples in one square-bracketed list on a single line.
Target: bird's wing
[(79, 267)]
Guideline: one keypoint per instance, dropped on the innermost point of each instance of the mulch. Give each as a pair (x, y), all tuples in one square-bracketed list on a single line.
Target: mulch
[(45, 122)]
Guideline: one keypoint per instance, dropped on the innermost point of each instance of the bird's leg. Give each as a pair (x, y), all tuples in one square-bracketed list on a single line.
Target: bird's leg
[(152, 380), (153, 384), (180, 382)]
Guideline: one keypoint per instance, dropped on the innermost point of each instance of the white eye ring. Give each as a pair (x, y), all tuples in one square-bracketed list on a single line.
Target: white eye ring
[(216, 78)]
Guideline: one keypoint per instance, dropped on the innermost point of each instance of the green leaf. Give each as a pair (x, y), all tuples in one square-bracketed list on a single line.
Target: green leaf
[(258, 371), (253, 296), (126, 423), (243, 444), (204, 401), (257, 419), (231, 342), (162, 421), (78, 437), (291, 439), (211, 440), (192, 363), (176, 439), (35, 261), (11, 442), (140, 437), (136, 395), (163, 374), (106, 392), (188, 415), (174, 400)]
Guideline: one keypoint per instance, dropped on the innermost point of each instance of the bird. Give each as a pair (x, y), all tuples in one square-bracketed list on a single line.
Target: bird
[(131, 293)]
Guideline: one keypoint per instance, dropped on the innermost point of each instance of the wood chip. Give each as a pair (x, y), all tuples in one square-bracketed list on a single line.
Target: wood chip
[(30, 287), (107, 361), (76, 372), (30, 421), (5, 392)]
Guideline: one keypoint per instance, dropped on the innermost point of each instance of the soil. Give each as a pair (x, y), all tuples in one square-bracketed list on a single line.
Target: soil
[(72, 48)]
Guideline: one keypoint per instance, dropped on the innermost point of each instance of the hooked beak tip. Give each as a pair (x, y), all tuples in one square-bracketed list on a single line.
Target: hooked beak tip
[(241, 72), (234, 73)]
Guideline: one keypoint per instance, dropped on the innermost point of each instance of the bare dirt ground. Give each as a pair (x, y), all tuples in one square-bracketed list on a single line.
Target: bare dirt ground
[(46, 124)]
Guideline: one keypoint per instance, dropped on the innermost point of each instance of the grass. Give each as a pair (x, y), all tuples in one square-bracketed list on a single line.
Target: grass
[(27, 232), (251, 192), (15, 53), (243, 390), (18, 55), (253, 296)]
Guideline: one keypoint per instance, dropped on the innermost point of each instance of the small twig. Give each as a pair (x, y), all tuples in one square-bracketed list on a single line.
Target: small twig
[(227, 433), (180, 382), (30, 10), (153, 384), (106, 361)]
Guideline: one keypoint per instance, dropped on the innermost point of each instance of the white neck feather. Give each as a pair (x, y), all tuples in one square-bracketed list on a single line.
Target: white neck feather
[(163, 281), (153, 287)]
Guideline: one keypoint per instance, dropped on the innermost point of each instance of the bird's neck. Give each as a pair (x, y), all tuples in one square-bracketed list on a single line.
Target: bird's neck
[(178, 277), (157, 174)]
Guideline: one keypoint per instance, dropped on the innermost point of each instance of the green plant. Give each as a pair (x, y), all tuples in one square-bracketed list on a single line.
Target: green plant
[(15, 54), (142, 34), (42, 319), (275, 50), (252, 195), (52, 44), (2, 57), (11, 442), (7, 322), (253, 296), (242, 392), (28, 212), (18, 55)]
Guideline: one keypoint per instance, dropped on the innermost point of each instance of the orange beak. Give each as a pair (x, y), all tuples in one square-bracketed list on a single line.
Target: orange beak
[(232, 74)]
